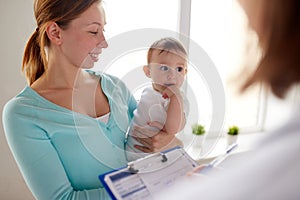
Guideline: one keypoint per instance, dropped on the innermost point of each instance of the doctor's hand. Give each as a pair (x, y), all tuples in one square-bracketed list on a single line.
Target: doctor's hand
[(159, 142), (196, 170), (203, 170)]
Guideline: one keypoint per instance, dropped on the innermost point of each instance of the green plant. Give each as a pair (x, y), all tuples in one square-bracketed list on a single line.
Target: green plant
[(233, 130), (198, 129)]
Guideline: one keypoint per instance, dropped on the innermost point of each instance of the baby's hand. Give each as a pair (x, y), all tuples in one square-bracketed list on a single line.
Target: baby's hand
[(171, 91), (160, 141)]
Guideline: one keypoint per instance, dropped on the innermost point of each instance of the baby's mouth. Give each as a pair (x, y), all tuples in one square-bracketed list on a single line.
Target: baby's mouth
[(169, 84)]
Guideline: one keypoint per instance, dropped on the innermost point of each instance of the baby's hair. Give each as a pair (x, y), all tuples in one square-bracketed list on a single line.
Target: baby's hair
[(167, 44)]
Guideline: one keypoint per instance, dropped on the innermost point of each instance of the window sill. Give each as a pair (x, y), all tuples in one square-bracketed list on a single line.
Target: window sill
[(204, 155)]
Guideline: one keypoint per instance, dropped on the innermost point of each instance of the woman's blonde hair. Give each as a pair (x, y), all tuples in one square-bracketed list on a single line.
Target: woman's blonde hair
[(61, 12)]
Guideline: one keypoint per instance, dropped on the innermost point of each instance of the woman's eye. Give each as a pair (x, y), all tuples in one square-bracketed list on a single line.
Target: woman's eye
[(94, 32), (179, 69), (164, 68)]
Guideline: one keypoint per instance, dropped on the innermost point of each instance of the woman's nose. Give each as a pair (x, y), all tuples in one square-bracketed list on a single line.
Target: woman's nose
[(104, 43)]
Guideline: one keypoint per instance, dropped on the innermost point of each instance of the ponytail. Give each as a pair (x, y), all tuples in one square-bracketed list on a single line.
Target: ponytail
[(34, 59), (62, 12)]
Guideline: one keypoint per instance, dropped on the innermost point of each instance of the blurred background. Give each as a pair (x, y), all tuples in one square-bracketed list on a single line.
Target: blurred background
[(218, 26)]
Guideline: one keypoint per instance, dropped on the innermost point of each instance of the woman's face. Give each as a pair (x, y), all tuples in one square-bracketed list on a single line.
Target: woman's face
[(83, 40), (166, 69)]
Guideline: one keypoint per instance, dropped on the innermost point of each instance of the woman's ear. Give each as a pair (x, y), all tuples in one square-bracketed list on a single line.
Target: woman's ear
[(53, 33), (147, 70)]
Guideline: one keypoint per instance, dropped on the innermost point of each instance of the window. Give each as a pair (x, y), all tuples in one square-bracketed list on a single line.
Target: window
[(132, 26), (123, 16), (220, 28), (217, 29)]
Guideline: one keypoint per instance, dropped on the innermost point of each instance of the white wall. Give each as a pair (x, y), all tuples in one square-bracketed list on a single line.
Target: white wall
[(17, 23), (279, 111)]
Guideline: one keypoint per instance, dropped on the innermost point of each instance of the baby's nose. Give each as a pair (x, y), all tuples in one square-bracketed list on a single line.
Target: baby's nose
[(171, 74)]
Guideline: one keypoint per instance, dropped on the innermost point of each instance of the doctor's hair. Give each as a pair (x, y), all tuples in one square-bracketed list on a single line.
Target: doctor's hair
[(167, 44), (279, 67), (62, 12)]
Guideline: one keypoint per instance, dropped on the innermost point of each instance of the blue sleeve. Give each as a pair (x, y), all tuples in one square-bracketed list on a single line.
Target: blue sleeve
[(132, 104), (126, 93), (37, 158)]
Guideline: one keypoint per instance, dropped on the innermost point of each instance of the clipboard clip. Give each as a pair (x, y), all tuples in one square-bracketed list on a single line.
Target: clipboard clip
[(164, 157), (133, 170)]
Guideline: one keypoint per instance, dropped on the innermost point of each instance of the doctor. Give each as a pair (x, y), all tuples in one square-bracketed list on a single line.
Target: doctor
[(272, 170)]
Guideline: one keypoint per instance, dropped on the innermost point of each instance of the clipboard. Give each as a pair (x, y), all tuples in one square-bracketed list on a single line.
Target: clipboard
[(145, 177)]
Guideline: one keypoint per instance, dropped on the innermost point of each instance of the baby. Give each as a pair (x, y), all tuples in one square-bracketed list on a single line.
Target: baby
[(163, 102)]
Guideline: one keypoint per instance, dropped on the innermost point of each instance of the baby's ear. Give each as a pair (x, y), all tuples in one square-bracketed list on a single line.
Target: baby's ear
[(147, 70)]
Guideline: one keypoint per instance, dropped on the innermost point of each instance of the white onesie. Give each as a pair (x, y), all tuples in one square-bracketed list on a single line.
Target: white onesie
[(151, 107)]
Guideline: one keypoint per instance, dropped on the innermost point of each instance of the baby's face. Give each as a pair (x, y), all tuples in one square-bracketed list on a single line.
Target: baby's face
[(166, 69)]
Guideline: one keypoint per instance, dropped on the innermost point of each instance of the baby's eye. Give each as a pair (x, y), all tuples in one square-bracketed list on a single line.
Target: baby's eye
[(164, 68), (179, 69)]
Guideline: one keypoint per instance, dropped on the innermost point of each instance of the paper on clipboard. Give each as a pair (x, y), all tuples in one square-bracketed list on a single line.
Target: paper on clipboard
[(143, 178)]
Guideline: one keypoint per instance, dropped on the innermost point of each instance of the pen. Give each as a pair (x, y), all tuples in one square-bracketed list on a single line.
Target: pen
[(219, 159)]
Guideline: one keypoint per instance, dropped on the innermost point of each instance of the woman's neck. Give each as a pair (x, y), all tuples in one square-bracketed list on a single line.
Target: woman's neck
[(59, 76), (62, 77)]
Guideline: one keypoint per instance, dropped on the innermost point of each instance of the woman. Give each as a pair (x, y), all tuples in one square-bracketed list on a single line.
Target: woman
[(272, 169), (68, 125)]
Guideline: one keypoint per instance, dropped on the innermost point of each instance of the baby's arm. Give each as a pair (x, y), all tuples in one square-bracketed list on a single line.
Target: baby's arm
[(175, 120)]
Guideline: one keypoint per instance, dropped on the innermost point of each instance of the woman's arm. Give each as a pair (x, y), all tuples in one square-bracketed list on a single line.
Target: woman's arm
[(37, 158)]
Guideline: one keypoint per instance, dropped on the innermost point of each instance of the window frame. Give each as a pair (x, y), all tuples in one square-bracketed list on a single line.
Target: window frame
[(185, 29)]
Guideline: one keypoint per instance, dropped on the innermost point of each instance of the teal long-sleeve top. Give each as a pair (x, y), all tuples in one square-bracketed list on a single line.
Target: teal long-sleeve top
[(61, 153)]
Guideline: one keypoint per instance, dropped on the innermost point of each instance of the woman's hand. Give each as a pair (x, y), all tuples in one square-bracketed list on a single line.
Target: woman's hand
[(159, 142)]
